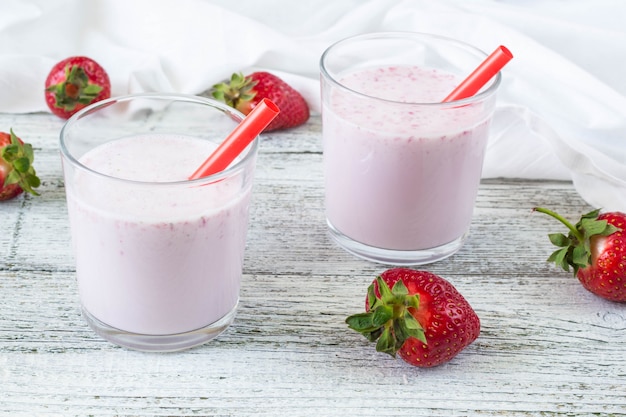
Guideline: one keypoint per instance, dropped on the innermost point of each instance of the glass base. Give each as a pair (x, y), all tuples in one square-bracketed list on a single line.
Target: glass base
[(159, 343), (396, 257)]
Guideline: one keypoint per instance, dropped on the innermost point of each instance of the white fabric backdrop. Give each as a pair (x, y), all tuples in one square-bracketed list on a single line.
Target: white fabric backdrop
[(562, 105)]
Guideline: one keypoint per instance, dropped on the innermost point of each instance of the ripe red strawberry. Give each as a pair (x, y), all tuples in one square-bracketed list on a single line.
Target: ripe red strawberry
[(16, 167), (595, 248), (75, 83), (417, 314), (244, 93)]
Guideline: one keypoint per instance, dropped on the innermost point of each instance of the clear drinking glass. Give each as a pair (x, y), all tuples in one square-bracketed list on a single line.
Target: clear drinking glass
[(158, 257), (401, 168)]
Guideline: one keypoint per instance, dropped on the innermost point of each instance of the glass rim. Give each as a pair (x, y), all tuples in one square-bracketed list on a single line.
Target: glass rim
[(480, 96), (188, 98)]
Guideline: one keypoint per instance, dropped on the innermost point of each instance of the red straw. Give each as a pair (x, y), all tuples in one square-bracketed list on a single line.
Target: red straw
[(485, 71), (245, 132)]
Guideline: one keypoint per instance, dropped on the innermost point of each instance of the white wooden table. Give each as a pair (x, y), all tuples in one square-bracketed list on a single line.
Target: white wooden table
[(547, 346)]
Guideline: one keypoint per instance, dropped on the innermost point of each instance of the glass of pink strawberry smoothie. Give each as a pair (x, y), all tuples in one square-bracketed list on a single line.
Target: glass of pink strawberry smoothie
[(158, 257), (401, 168)]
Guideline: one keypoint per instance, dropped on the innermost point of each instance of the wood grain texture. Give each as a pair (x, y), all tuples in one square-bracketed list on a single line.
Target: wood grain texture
[(547, 347)]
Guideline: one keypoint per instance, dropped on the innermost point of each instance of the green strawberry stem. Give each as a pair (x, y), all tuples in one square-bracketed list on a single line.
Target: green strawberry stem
[(75, 89), (562, 219), (575, 248), (236, 92), (20, 158), (388, 319)]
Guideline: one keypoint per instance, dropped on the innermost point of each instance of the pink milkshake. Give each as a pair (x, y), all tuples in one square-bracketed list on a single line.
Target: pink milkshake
[(158, 257), (156, 263), (401, 169)]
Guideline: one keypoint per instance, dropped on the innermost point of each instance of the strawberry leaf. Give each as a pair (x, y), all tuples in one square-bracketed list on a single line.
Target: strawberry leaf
[(10, 152), (401, 333), (21, 164), (32, 181), (414, 328), (29, 182), (412, 301), (591, 215), (559, 239), (12, 178), (591, 227), (386, 296), (218, 95), (371, 297), (386, 343), (559, 257), (399, 289), (581, 257), (92, 90), (362, 322), (27, 148), (382, 315)]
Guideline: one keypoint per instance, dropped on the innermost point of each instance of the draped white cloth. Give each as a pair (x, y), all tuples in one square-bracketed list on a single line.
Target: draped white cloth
[(562, 104)]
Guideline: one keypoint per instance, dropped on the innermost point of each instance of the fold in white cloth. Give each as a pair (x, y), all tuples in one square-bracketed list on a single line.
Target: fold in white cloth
[(562, 104)]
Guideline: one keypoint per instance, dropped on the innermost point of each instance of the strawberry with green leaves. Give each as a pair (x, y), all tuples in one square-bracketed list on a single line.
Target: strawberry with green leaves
[(418, 315), (74, 83), (595, 248), (16, 167), (245, 92)]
